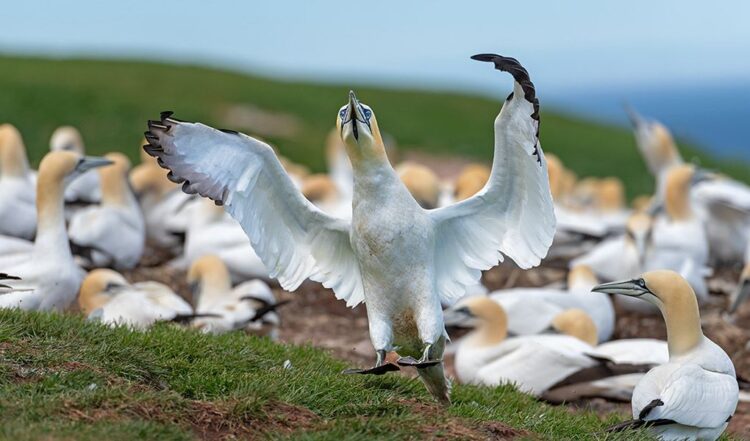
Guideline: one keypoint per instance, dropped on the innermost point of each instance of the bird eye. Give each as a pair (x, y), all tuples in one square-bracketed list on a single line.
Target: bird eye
[(642, 283), (342, 113), (368, 113)]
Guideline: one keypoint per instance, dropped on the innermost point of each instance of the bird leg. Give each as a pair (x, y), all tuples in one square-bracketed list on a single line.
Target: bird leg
[(380, 367), (424, 362)]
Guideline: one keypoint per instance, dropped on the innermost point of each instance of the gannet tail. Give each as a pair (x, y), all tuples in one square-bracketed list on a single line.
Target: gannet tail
[(439, 386)]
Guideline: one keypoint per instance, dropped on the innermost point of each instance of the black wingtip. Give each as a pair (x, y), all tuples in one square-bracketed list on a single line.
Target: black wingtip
[(484, 57), (165, 114), (6, 276)]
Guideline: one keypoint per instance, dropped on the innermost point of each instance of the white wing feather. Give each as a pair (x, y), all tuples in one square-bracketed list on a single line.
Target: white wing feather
[(512, 215), (294, 239)]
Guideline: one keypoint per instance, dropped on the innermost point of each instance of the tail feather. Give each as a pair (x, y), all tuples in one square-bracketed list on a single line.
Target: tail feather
[(437, 384)]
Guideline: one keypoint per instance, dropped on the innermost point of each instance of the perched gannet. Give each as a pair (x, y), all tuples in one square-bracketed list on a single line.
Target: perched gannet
[(107, 297), (113, 233), (722, 203), (85, 189), (17, 196), (532, 310), (694, 395), (322, 191), (49, 277), (249, 306), (403, 260), (162, 203), (470, 181), (422, 183), (212, 231)]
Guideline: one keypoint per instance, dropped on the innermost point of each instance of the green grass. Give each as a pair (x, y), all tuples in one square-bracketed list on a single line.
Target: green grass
[(64, 378), (111, 100)]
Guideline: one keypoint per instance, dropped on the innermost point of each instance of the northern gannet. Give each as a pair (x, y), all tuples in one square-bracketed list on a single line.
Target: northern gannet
[(321, 190), (211, 230), (532, 310), (694, 395), (249, 306), (422, 183), (49, 277), (17, 196), (399, 258), (86, 188), (108, 298), (722, 203), (112, 233), (470, 181)]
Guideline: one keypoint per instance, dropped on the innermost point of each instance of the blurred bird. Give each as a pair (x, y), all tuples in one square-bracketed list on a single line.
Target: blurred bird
[(211, 231), (17, 182), (695, 394), (422, 183), (108, 298), (402, 259), (49, 276), (85, 189), (113, 233), (322, 191), (249, 306), (743, 289), (470, 181)]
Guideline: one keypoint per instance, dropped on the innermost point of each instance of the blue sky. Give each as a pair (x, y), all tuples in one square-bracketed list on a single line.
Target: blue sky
[(593, 44)]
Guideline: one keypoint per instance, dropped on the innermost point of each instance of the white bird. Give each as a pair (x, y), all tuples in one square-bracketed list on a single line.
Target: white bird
[(108, 298), (422, 183), (163, 205), (723, 204), (17, 182), (85, 189), (532, 310), (112, 233), (399, 258), (211, 231), (695, 394), (249, 306), (322, 190), (49, 276)]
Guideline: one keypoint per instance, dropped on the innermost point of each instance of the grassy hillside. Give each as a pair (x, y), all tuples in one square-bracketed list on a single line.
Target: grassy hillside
[(110, 101), (64, 378)]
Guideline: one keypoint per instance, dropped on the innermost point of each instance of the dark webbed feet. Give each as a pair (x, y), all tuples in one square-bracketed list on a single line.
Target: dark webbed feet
[(424, 362), (380, 367)]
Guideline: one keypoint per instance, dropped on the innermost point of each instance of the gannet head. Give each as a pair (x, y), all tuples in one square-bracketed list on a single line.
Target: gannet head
[(664, 150), (13, 159), (472, 179), (679, 181), (555, 173), (582, 277), (422, 183), (319, 188), (358, 127), (208, 276), (743, 290), (642, 203), (97, 288), (114, 179), (67, 138), (64, 166), (485, 316), (145, 178), (638, 234), (576, 323), (676, 300), (611, 194)]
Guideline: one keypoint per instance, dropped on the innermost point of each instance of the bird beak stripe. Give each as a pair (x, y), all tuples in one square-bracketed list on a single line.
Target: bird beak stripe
[(630, 288)]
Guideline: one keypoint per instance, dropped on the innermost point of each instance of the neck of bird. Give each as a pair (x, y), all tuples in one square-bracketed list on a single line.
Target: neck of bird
[(115, 188), (13, 161), (51, 235), (683, 326), (213, 287), (677, 203), (490, 333)]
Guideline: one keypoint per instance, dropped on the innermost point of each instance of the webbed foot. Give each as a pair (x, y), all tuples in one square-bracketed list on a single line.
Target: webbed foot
[(380, 367)]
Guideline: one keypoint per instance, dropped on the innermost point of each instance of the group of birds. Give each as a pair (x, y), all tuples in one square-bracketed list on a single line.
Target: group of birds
[(409, 245)]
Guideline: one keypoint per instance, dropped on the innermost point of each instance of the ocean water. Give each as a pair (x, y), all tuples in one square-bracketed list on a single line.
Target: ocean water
[(713, 117)]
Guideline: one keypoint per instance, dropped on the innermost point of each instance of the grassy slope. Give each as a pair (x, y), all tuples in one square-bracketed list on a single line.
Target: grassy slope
[(64, 378), (110, 101)]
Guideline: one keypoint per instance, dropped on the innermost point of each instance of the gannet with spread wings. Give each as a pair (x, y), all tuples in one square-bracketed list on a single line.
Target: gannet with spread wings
[(402, 260)]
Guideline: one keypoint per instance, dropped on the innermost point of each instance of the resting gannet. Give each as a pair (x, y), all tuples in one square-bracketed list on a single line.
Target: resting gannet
[(693, 396), (17, 196), (532, 310), (86, 188), (49, 277), (249, 306), (107, 297), (399, 258), (722, 203), (113, 233), (422, 183), (322, 191), (470, 181), (211, 230)]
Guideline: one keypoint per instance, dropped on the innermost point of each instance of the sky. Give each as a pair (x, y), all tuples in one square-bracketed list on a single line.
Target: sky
[(566, 45)]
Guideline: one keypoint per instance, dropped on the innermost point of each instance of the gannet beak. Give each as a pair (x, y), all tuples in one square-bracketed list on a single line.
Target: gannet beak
[(90, 162), (457, 318), (739, 296), (635, 119), (632, 288), (354, 114)]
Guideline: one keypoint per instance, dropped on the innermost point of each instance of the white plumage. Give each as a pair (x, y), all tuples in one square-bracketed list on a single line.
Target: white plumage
[(17, 187)]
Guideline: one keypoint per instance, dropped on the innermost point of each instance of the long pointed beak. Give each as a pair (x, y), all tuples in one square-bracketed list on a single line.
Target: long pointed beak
[(632, 288), (635, 119), (354, 114), (458, 318), (91, 162), (739, 297)]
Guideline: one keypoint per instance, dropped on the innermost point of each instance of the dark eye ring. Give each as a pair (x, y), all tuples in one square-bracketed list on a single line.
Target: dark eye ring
[(642, 283), (342, 113), (368, 113)]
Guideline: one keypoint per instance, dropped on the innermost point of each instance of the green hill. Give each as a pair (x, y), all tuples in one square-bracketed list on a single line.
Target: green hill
[(111, 100), (64, 378)]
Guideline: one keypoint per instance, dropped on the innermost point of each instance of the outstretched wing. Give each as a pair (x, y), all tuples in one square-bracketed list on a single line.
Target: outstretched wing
[(513, 214), (293, 238)]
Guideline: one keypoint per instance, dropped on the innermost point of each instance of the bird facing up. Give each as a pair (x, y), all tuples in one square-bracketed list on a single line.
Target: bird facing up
[(400, 259)]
